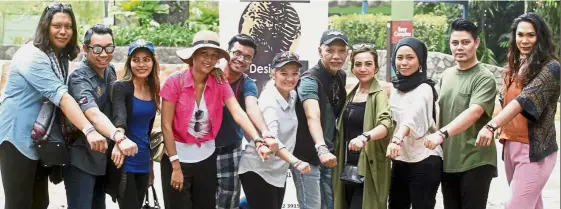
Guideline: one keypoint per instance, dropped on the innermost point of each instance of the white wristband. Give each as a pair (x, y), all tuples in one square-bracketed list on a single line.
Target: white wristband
[(173, 158), (113, 133), (320, 144), (88, 129)]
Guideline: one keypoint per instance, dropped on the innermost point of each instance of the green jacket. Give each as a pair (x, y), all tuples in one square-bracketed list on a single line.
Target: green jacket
[(372, 164)]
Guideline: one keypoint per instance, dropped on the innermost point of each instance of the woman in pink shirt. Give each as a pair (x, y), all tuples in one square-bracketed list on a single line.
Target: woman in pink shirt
[(191, 116)]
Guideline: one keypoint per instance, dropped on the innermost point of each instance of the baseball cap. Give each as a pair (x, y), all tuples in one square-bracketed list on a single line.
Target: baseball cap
[(141, 43), (283, 58), (331, 35)]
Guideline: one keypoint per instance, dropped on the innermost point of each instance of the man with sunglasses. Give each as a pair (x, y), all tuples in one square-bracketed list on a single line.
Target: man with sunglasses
[(229, 139), (321, 93), (90, 85)]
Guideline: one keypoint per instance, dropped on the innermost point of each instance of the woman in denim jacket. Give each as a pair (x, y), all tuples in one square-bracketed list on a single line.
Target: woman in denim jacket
[(37, 77)]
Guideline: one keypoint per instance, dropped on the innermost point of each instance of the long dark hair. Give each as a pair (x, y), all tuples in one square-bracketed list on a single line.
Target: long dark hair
[(542, 52), (153, 78), (41, 39)]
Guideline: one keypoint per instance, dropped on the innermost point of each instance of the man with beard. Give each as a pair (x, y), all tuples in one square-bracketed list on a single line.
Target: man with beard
[(229, 139), (90, 85), (467, 101), (321, 93)]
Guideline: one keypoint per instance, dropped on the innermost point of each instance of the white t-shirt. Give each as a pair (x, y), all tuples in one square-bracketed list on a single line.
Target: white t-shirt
[(192, 153), (414, 110)]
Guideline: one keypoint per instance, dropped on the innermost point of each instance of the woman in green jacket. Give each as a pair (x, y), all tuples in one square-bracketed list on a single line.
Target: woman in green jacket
[(365, 123)]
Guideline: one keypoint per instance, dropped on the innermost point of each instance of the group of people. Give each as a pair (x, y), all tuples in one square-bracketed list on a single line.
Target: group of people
[(366, 149)]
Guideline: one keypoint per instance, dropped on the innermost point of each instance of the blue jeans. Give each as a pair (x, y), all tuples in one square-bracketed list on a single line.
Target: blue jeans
[(83, 190), (314, 189)]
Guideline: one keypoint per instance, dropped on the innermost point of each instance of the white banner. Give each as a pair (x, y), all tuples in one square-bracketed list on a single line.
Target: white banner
[(277, 26)]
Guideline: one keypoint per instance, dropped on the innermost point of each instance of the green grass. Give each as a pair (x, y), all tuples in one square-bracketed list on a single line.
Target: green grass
[(386, 10)]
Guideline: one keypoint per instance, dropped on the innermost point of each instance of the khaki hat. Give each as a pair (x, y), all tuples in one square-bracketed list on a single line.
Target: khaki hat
[(201, 39)]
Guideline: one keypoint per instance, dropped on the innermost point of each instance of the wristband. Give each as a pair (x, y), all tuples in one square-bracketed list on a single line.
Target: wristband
[(173, 158), (88, 129), (117, 142), (318, 145), (491, 126), (293, 160), (296, 164), (258, 139), (113, 133), (322, 149), (268, 137)]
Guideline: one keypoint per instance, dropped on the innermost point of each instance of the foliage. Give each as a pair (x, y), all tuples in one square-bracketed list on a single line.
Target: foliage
[(450, 10), (380, 9), (143, 10), (87, 12), (164, 35), (550, 12), (485, 54), (372, 29), (204, 15)]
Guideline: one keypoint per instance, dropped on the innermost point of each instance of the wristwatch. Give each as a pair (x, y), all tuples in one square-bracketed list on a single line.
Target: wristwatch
[(492, 126), (367, 136), (444, 134)]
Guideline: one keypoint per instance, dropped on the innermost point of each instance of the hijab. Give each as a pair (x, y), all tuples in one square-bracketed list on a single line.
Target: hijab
[(408, 83)]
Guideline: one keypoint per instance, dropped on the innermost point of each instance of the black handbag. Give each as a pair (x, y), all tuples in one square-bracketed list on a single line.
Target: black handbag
[(154, 197), (349, 174), (50, 144)]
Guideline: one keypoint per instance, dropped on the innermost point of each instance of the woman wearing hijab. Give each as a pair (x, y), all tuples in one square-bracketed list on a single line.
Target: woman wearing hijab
[(415, 174)]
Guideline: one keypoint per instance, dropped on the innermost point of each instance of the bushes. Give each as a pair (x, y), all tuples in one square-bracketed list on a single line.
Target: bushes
[(163, 35), (372, 29)]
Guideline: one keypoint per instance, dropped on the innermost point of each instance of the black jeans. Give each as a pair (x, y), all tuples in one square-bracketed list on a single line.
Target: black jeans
[(353, 195), (199, 185), (468, 189), (415, 184), (261, 194), (25, 181), (135, 189)]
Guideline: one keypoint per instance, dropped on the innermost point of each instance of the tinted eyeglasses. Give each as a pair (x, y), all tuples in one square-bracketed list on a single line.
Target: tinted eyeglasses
[(364, 45), (198, 116), (59, 6), (98, 49)]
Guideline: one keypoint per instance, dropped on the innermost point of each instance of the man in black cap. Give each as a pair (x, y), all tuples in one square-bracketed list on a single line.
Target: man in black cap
[(321, 93)]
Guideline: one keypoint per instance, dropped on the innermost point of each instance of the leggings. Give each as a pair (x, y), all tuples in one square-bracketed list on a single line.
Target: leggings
[(25, 181), (135, 190), (261, 194)]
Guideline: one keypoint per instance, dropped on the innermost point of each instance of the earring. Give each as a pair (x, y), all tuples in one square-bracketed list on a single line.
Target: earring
[(420, 69)]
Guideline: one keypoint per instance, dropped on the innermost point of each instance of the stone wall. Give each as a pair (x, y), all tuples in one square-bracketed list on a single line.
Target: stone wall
[(437, 63)]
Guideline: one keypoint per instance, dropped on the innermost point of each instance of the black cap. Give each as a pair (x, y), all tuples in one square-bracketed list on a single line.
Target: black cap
[(283, 58), (331, 35)]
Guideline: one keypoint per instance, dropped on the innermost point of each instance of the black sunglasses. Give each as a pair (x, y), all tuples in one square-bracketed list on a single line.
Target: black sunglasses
[(364, 45), (98, 49), (60, 6), (198, 125)]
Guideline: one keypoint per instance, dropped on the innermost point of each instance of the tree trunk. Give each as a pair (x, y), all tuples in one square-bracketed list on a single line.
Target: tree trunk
[(178, 13)]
